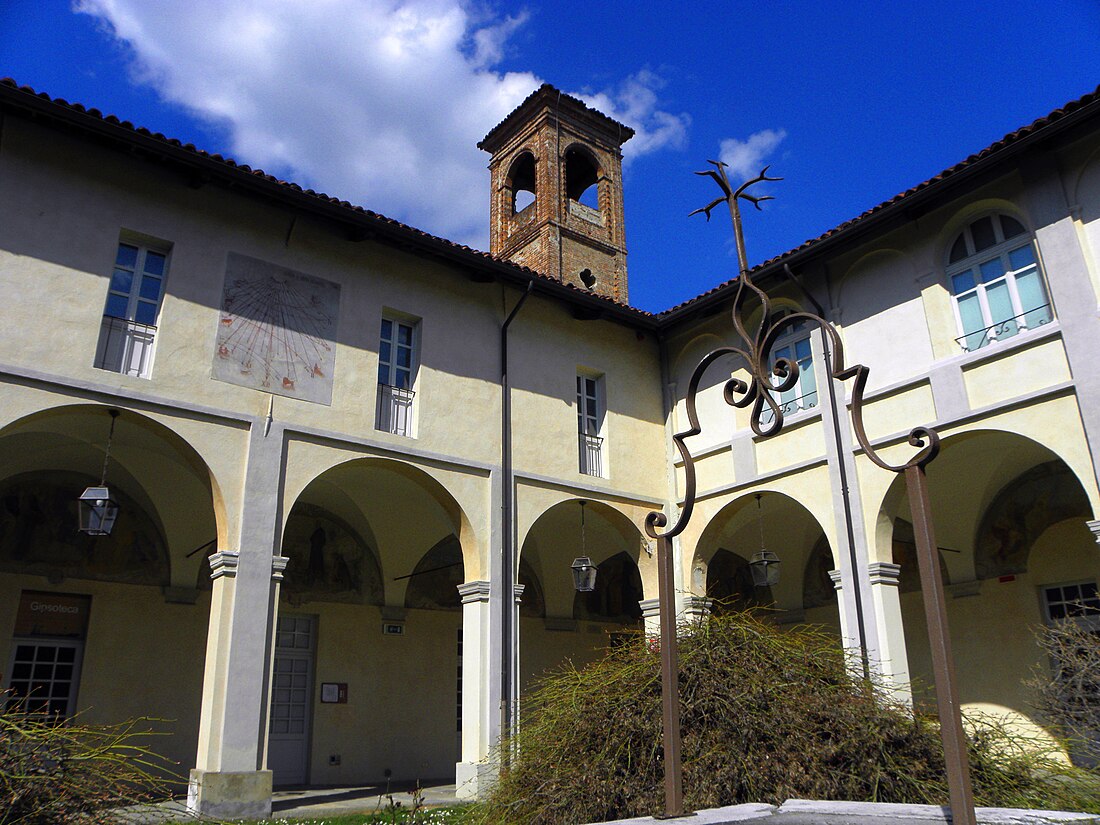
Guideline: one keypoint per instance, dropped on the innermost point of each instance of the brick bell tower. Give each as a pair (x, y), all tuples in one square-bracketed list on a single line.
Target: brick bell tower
[(557, 192)]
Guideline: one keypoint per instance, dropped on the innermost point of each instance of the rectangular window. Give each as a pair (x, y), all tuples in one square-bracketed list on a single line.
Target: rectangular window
[(44, 677), (134, 295), (795, 347), (1079, 601), (396, 376), (590, 420), (43, 672)]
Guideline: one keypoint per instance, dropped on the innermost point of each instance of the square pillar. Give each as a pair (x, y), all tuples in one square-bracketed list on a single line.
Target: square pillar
[(230, 779), (476, 773), (892, 660)]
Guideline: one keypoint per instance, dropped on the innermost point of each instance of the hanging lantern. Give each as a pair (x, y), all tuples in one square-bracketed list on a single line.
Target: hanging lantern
[(584, 571), (584, 574), (98, 510), (764, 564)]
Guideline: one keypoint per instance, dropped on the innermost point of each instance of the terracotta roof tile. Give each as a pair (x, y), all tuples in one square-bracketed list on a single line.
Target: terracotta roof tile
[(232, 167), (986, 153)]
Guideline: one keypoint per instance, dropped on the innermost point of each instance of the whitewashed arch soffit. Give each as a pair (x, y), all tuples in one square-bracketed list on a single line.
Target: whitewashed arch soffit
[(344, 480), (151, 466), (790, 530), (974, 468)]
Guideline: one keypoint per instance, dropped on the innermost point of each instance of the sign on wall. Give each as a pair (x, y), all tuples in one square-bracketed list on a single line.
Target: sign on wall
[(52, 614), (277, 330)]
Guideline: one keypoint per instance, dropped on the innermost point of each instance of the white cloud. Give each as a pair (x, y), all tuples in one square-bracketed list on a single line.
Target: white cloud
[(746, 158), (380, 102)]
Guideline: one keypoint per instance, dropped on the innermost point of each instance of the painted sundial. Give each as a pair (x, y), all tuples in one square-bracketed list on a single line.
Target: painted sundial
[(277, 330)]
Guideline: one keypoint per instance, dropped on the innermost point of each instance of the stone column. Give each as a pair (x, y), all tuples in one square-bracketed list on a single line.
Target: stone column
[(475, 773), (892, 661), (230, 779)]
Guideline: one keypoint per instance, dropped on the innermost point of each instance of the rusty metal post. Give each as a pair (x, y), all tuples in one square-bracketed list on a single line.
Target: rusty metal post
[(670, 680), (939, 639)]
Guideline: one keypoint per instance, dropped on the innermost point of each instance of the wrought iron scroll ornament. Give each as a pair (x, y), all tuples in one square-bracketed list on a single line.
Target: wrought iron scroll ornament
[(767, 380)]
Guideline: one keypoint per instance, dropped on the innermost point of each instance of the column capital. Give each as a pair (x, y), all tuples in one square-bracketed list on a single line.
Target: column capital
[(278, 565), (884, 572), (475, 591), (224, 563), (697, 607), (1094, 528), (838, 580), (651, 608), (518, 589)]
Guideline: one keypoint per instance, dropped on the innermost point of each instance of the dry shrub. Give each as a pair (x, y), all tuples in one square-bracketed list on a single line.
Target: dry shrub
[(767, 715), (52, 774), (1069, 694)]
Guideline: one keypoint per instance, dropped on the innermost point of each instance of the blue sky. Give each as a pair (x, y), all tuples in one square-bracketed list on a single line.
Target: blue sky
[(381, 103)]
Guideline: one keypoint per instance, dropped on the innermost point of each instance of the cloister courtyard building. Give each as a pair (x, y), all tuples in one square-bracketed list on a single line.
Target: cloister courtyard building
[(353, 462)]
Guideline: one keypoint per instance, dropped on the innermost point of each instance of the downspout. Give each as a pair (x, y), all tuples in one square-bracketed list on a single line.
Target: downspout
[(508, 537), (842, 471)]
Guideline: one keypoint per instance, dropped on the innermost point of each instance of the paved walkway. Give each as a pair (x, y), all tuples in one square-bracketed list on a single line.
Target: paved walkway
[(314, 803), (317, 803), (809, 812)]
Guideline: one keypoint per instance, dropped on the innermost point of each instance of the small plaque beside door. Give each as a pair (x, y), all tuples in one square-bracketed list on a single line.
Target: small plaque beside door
[(334, 693)]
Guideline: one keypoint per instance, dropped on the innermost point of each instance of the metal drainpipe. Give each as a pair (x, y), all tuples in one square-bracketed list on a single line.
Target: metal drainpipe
[(508, 537), (834, 416)]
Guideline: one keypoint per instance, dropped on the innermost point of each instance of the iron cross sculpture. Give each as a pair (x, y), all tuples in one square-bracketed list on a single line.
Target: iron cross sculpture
[(766, 379)]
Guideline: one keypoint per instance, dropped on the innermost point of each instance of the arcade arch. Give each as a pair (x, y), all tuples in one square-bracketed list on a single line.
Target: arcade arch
[(133, 595), (579, 626), (1010, 521), (379, 547), (720, 564)]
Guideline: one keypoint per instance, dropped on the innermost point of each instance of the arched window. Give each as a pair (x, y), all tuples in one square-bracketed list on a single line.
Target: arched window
[(582, 175), (994, 275), (794, 346), (521, 182)]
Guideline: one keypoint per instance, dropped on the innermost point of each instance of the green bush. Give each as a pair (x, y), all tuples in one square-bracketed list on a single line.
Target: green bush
[(767, 715), (56, 773)]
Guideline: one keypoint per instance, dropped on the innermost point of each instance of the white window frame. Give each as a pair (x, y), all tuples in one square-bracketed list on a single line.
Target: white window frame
[(805, 395), (128, 331), (591, 428), (76, 645), (1090, 599), (395, 410), (1023, 317)]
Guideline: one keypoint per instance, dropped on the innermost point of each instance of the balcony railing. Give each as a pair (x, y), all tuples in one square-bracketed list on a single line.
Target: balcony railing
[(591, 454), (395, 407), (1006, 329), (125, 346), (803, 402)]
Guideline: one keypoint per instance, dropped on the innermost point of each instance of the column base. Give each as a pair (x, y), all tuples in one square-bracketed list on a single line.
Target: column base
[(474, 780), (229, 794)]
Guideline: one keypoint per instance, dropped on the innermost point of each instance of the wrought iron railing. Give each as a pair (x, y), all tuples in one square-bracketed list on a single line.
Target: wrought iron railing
[(803, 402), (591, 454), (1006, 328), (395, 407), (125, 346)]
